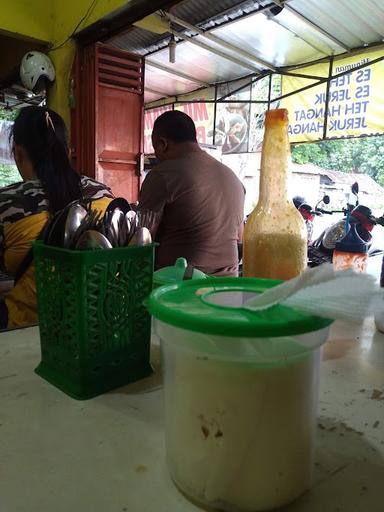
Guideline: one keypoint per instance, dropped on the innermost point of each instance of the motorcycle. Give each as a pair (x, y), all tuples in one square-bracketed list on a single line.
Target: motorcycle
[(321, 250), (308, 213)]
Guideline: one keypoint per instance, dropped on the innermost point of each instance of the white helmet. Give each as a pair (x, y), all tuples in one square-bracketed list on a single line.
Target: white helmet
[(36, 65)]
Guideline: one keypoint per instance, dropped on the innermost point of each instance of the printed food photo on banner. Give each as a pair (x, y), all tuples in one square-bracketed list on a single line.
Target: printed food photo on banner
[(232, 118)]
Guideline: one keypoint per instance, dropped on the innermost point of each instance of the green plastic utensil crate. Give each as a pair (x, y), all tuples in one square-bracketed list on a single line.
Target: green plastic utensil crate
[(94, 329)]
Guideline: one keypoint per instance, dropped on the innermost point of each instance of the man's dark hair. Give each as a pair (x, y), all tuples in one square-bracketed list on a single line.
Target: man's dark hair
[(175, 126)]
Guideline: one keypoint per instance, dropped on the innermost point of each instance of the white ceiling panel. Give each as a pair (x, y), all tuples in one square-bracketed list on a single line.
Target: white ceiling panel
[(267, 40), (200, 63), (354, 22), (169, 85)]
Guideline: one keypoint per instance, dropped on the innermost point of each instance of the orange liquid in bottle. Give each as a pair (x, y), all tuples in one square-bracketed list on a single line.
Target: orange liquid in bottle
[(275, 237), (275, 256)]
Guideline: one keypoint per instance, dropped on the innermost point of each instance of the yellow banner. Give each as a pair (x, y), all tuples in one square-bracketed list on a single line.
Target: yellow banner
[(356, 100)]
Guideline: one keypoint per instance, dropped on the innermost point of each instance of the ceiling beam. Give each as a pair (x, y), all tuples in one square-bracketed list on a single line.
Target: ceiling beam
[(174, 72), (154, 91), (218, 40), (221, 54), (120, 19)]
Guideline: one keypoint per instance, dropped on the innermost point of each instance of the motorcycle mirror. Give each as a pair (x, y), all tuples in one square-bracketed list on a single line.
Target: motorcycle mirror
[(355, 188), (326, 199)]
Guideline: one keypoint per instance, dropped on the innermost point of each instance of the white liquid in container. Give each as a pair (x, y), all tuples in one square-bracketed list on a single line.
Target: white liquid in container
[(240, 437)]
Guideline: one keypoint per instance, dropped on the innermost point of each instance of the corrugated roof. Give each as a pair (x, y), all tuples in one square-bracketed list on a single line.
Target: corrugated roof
[(366, 183), (210, 14), (138, 40), (353, 22), (307, 168), (304, 31), (197, 12)]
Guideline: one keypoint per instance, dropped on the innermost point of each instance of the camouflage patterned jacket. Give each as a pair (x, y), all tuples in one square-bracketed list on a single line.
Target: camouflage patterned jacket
[(23, 214)]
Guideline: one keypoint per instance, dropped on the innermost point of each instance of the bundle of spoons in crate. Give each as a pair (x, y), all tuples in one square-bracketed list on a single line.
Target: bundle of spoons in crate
[(80, 227)]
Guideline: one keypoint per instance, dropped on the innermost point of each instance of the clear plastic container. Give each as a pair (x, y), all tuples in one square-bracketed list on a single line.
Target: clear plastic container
[(180, 271), (351, 252), (379, 321), (356, 261), (241, 391)]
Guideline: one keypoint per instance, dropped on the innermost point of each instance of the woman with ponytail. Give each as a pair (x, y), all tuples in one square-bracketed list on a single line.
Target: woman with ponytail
[(49, 183)]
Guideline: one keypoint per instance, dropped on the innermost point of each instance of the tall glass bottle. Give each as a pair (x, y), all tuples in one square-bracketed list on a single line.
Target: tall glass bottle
[(275, 237)]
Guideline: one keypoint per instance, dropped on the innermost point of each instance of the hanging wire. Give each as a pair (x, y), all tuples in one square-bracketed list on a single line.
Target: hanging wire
[(84, 18)]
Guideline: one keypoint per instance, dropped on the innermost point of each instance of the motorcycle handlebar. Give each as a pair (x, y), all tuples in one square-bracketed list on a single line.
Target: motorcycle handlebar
[(320, 211), (376, 220)]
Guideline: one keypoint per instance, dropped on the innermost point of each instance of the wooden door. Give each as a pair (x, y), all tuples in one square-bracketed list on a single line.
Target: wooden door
[(107, 122)]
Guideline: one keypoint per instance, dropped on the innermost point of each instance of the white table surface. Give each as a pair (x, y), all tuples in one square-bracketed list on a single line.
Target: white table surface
[(107, 454)]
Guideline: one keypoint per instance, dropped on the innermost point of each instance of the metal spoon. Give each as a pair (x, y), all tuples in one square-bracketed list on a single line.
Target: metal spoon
[(76, 214), (116, 225), (120, 203), (131, 220), (141, 237), (123, 231), (92, 239), (55, 232)]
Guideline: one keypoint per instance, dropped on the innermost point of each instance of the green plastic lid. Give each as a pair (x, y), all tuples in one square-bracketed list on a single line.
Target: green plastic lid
[(176, 273), (213, 306)]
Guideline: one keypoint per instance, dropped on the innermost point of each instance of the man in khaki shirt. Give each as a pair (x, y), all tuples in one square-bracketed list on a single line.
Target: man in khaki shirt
[(197, 200)]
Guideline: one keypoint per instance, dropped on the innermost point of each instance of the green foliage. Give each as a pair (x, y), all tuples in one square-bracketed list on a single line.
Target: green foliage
[(8, 175), (364, 155), (8, 115)]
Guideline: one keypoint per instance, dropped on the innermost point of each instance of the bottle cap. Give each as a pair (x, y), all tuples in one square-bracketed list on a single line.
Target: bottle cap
[(276, 116)]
